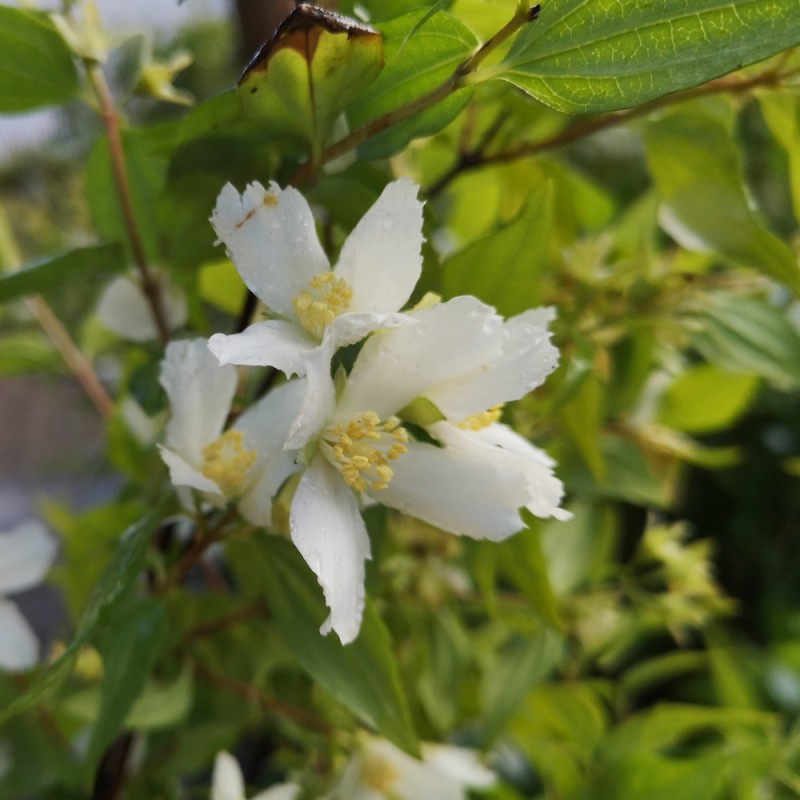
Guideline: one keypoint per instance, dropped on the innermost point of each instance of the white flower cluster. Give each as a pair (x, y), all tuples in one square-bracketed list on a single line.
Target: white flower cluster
[(447, 367)]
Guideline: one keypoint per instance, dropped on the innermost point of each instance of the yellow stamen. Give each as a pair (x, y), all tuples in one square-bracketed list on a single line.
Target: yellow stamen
[(226, 461), (362, 449), (328, 297), (477, 422), (378, 774)]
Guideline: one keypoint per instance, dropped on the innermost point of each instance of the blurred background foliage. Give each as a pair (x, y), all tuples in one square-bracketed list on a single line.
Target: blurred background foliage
[(649, 647)]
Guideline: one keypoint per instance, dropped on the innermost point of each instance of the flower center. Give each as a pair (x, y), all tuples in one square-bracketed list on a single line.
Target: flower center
[(226, 461), (477, 422), (328, 297), (362, 449), (378, 774)]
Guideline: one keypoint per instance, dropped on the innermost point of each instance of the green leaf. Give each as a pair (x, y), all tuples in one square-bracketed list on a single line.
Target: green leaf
[(518, 666), (85, 264), (599, 55), (363, 675), (36, 66), (781, 110), (504, 268), (413, 68), (706, 398), (522, 560), (749, 335), (27, 351), (117, 581), (314, 65), (129, 649), (698, 174)]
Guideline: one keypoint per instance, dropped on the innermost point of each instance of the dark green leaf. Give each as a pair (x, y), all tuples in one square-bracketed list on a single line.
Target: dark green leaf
[(115, 584), (363, 675), (86, 264), (129, 649), (598, 55), (518, 666), (36, 66)]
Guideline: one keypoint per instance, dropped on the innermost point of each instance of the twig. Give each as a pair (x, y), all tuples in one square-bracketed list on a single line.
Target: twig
[(456, 81), (474, 160), (257, 697), (258, 608), (110, 117)]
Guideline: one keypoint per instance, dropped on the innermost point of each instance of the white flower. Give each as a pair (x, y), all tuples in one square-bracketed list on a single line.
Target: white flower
[(26, 554), (124, 310), (227, 783), (223, 465), (464, 358), (270, 236), (380, 771)]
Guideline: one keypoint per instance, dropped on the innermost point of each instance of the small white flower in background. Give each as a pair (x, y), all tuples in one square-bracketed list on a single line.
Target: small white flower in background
[(460, 356), (123, 309), (227, 783), (381, 771), (247, 462), (26, 554), (271, 238)]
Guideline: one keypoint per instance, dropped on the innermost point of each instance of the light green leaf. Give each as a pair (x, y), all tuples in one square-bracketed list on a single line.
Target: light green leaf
[(129, 649), (599, 55), (427, 59), (706, 398), (84, 264), (698, 174), (363, 675), (315, 65), (781, 109), (749, 335), (504, 268), (27, 351), (114, 585), (36, 66)]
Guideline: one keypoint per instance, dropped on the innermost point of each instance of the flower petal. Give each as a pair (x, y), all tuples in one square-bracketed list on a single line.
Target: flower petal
[(200, 392), (461, 491), (182, 473), (285, 791), (272, 240), (329, 533), (461, 764), (515, 455), (226, 781), (19, 649), (352, 327), (26, 553), (265, 426), (382, 259), (124, 310), (527, 359), (274, 343), (318, 400), (396, 366)]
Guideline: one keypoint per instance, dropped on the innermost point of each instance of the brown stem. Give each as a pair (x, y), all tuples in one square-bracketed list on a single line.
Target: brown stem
[(74, 358), (110, 117), (452, 84), (257, 697), (474, 160), (256, 609)]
